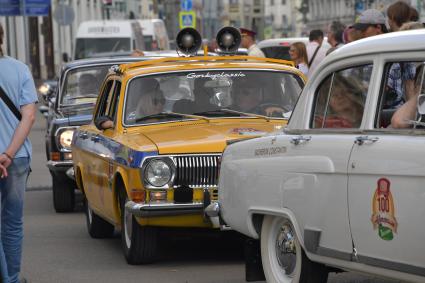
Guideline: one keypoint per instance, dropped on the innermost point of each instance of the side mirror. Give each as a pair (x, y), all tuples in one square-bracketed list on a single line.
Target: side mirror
[(421, 104), (103, 123), (44, 110), (65, 57)]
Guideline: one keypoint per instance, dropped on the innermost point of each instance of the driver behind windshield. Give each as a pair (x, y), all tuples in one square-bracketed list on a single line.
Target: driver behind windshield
[(88, 84), (246, 97)]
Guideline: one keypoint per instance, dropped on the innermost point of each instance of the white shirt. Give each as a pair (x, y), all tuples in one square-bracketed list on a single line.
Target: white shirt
[(303, 68), (321, 54), (253, 50)]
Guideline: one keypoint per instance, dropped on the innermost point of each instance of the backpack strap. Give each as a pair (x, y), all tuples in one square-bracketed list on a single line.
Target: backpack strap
[(314, 55), (10, 104)]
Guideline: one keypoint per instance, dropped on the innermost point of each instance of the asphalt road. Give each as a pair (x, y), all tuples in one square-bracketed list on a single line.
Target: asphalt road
[(57, 247)]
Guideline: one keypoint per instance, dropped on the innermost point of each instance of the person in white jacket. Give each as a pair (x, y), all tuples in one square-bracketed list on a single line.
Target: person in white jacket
[(248, 41)]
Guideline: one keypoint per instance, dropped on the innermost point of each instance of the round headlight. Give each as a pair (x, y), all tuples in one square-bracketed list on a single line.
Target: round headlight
[(65, 138), (158, 173), (44, 89)]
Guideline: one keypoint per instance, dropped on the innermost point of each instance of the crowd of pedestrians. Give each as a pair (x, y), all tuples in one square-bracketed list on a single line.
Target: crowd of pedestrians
[(400, 16), (401, 94)]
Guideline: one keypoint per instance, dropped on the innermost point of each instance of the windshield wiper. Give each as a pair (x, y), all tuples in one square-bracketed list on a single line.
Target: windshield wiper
[(229, 111), (79, 105), (82, 96), (164, 115)]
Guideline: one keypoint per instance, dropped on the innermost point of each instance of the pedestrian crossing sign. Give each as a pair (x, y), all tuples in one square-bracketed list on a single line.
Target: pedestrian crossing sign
[(187, 19)]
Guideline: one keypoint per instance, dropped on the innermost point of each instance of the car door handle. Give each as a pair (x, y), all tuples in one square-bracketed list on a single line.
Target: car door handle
[(83, 135), (95, 138), (300, 139), (363, 139)]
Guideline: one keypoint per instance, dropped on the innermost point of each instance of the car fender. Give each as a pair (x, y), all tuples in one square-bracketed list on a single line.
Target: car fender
[(255, 228)]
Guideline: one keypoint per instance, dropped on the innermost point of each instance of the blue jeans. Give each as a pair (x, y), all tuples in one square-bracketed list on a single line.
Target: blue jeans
[(12, 191)]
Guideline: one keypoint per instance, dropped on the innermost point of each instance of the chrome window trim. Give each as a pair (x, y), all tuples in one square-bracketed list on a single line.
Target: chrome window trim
[(65, 75)]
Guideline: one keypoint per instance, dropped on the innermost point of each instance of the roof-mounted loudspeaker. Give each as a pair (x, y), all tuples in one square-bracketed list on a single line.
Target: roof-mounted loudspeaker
[(228, 39), (188, 41)]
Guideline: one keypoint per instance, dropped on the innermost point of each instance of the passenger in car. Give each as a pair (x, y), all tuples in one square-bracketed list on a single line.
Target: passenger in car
[(150, 103), (346, 105), (407, 111), (246, 97)]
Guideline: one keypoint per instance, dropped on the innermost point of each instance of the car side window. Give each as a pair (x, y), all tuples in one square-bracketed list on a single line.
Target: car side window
[(113, 106), (401, 85), (105, 97), (340, 98)]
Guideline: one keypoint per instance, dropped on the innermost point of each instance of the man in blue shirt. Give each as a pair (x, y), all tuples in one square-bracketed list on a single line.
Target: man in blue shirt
[(15, 155)]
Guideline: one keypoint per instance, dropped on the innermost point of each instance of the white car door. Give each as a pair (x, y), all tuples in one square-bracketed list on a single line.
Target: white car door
[(387, 197), (316, 183)]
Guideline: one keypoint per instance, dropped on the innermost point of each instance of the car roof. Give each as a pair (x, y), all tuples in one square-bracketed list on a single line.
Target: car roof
[(200, 63), (281, 41), (105, 60), (287, 41), (401, 41)]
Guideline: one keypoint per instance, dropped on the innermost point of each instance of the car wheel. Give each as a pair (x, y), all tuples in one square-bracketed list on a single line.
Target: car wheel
[(283, 259), (96, 226), (63, 193), (139, 243)]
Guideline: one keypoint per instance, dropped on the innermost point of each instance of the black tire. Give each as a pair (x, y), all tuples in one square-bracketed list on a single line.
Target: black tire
[(297, 266), (63, 193), (139, 243), (96, 226)]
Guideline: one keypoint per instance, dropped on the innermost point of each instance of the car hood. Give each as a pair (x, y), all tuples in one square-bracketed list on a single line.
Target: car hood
[(205, 137)]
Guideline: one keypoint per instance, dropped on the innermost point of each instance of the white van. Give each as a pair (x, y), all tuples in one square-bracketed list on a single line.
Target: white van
[(94, 37), (155, 34)]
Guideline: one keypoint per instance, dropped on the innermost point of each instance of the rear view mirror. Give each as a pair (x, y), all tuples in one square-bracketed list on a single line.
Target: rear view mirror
[(217, 83)]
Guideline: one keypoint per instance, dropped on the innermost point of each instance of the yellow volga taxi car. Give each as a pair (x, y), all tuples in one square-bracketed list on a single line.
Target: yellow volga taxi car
[(151, 156)]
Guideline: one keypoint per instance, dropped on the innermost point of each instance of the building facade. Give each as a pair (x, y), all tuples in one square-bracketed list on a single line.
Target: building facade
[(282, 18)]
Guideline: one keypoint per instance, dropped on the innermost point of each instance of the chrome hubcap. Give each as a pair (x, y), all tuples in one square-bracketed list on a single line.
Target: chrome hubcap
[(286, 251), (128, 218)]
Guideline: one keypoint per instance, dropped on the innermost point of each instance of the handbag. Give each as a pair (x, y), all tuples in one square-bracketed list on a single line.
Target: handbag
[(10, 104)]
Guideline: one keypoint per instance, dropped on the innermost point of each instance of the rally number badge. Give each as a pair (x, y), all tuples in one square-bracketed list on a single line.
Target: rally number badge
[(383, 213)]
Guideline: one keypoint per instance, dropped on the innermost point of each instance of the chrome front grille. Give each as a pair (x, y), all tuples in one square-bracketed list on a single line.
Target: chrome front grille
[(197, 170)]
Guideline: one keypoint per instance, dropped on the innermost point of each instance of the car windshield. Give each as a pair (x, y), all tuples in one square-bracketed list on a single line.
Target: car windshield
[(81, 85), (89, 47), (211, 94)]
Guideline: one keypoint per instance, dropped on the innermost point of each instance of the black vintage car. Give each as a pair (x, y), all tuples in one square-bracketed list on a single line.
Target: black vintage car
[(76, 95)]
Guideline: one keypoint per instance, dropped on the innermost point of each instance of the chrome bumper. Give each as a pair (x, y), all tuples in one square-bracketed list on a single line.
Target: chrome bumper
[(173, 209), (62, 166), (163, 209), (213, 212), (59, 164)]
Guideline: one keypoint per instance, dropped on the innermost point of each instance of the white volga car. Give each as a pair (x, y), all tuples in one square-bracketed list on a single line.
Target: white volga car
[(343, 185)]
